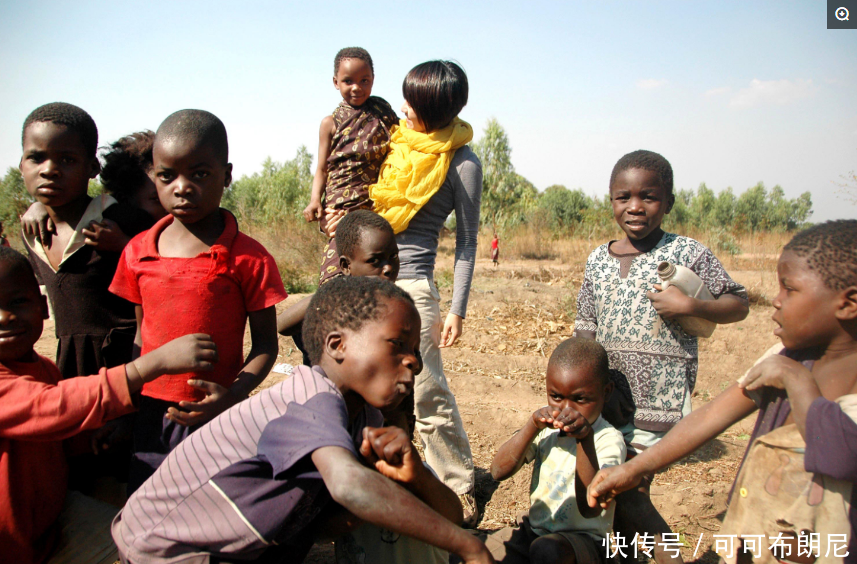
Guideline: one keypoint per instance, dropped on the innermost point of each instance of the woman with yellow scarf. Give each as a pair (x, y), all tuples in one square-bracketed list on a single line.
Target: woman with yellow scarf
[(430, 172)]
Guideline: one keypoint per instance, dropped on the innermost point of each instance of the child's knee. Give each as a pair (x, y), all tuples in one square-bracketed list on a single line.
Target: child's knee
[(552, 549)]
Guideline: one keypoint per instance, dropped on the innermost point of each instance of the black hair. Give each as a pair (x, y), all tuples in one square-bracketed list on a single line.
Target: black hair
[(578, 351), (346, 302), (646, 160), (830, 249), (71, 117), (436, 91), (127, 163), (11, 259), (353, 224), (352, 53), (199, 126)]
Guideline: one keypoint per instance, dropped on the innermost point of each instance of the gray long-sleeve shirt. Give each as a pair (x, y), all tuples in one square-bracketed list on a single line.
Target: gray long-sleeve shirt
[(462, 192)]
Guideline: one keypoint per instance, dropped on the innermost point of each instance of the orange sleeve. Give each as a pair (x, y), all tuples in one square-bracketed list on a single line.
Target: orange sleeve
[(40, 407)]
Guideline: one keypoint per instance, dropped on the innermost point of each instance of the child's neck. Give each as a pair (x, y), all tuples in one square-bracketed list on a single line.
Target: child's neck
[(354, 402), (70, 213), (182, 240), (644, 245)]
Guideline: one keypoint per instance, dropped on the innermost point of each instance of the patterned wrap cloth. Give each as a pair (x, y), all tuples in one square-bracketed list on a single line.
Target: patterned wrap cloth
[(357, 149)]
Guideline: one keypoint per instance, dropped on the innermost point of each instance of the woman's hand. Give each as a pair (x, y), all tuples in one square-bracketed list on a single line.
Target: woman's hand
[(451, 330), (313, 211), (330, 219)]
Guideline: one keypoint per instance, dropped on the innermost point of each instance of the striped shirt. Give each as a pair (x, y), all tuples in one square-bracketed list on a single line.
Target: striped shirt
[(244, 482)]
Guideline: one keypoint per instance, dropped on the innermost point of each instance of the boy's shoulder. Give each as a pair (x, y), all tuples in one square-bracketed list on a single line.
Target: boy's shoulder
[(247, 247), (680, 246)]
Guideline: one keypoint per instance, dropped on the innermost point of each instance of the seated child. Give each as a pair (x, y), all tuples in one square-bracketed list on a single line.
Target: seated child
[(653, 360), (269, 473), (805, 392), (570, 441), (195, 272), (352, 144), (367, 247), (38, 409)]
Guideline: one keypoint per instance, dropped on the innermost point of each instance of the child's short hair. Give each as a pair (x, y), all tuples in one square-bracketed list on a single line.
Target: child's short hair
[(349, 229), (127, 163), (830, 249), (346, 302), (352, 53), (198, 125), (646, 160), (578, 351), (437, 91), (10, 259), (70, 116)]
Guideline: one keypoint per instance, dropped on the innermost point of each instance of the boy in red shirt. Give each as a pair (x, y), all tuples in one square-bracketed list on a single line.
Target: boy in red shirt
[(195, 272), (38, 409)]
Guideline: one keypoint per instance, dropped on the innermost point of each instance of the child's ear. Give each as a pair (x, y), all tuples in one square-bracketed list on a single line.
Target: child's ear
[(670, 203), (847, 310), (345, 265), (334, 346), (46, 313), (228, 180), (95, 167)]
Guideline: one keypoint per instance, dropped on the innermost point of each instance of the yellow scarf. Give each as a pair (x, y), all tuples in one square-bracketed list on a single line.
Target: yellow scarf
[(415, 168)]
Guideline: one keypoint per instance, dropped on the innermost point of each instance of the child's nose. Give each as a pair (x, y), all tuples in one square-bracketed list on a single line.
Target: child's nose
[(6, 317), (49, 167), (183, 186)]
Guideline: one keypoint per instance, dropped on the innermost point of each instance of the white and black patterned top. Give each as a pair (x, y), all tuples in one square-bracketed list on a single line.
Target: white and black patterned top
[(652, 356)]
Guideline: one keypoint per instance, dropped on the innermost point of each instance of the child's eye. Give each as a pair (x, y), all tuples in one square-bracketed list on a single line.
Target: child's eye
[(164, 177), (200, 174), (68, 160)]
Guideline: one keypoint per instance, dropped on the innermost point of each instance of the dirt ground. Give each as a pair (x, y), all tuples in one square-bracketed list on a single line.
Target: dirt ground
[(516, 316)]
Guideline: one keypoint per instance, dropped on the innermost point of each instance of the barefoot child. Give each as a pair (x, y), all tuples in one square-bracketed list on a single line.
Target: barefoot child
[(195, 272), (367, 247), (653, 361), (806, 402), (352, 144), (259, 482), (570, 441), (495, 251), (38, 409)]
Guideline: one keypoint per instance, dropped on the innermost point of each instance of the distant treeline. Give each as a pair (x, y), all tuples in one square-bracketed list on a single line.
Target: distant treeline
[(281, 190)]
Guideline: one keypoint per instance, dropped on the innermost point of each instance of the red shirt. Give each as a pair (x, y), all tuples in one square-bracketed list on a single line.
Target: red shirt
[(494, 244), (37, 410), (210, 293)]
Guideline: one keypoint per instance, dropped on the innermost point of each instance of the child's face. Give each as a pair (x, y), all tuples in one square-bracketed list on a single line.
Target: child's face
[(805, 308), (146, 198), (639, 202), (55, 164), (354, 81), (190, 178), (383, 357), (376, 254), (576, 387), (412, 119), (22, 313)]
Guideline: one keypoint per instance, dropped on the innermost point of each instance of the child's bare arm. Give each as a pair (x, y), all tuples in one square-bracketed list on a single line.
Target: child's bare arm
[(391, 452), (672, 303), (510, 456), (778, 371), (380, 501), (289, 322), (190, 353), (37, 223), (325, 136), (586, 468), (691, 433), (261, 358), (138, 337)]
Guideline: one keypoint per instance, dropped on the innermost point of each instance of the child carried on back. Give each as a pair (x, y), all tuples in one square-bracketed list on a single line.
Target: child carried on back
[(352, 145), (806, 399), (569, 442)]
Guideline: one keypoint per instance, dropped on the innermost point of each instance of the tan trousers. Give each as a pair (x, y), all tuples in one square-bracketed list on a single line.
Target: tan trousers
[(439, 425)]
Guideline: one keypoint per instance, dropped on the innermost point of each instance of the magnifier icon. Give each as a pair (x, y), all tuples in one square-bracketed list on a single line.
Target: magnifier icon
[(842, 14)]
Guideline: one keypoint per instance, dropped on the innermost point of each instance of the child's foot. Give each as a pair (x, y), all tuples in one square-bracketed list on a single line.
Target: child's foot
[(471, 511)]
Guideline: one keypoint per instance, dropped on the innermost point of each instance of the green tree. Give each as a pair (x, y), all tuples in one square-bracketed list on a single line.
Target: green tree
[(503, 191), (14, 199), (724, 208), (703, 204), (564, 207), (751, 209)]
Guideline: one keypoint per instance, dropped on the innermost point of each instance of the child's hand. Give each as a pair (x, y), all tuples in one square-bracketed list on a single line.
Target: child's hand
[(775, 371), (670, 303), (189, 353), (217, 400), (392, 454), (105, 236), (569, 421), (112, 433), (610, 482), (37, 223), (313, 211)]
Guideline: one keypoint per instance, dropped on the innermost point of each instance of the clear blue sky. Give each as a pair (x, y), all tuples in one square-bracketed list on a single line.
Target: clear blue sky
[(731, 92)]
